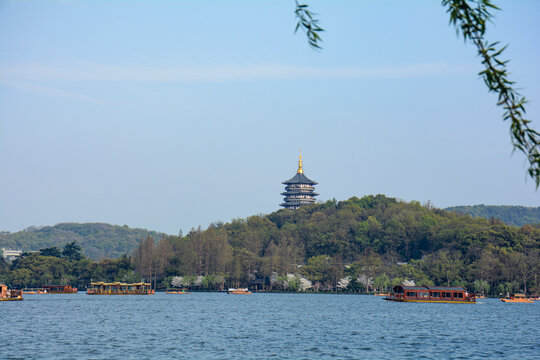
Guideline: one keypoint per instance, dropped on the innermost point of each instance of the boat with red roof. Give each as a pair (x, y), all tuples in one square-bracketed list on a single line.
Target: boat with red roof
[(431, 294)]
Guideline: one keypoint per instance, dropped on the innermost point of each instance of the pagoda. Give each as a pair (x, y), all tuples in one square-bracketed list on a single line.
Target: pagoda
[(299, 190)]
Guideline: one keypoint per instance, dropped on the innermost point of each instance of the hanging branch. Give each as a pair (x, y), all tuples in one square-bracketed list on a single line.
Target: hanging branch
[(471, 17), (310, 25)]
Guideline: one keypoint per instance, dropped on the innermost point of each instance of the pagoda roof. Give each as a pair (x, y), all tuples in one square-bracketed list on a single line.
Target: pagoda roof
[(310, 193), (299, 178)]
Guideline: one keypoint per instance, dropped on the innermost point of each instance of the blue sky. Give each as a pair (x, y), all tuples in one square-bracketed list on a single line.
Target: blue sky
[(172, 114)]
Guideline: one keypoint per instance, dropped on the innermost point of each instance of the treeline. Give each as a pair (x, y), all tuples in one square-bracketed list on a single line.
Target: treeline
[(358, 245), (510, 215), (66, 266), (98, 240)]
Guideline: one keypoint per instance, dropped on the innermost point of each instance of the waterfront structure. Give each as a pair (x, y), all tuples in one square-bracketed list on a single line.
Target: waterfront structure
[(299, 190)]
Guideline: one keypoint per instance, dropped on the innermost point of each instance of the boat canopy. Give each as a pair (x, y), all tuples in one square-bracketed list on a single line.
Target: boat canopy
[(401, 288), (101, 283)]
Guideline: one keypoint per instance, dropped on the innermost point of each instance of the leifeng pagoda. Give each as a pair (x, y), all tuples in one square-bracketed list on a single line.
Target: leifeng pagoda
[(299, 190)]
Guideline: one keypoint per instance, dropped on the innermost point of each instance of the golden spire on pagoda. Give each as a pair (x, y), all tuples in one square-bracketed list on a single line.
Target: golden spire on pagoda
[(300, 171)]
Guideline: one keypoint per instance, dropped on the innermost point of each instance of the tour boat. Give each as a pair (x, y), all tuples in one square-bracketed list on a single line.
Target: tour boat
[(183, 291), (118, 288), (431, 294), (243, 291), (58, 289), (517, 298), (9, 295)]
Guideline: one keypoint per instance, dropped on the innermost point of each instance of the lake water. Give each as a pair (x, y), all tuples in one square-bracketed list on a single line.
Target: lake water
[(263, 326)]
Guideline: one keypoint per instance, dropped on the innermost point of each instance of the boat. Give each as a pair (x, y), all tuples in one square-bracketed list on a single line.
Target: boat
[(118, 288), (183, 291), (10, 295), (381, 294), (431, 294), (242, 291), (517, 298), (58, 289)]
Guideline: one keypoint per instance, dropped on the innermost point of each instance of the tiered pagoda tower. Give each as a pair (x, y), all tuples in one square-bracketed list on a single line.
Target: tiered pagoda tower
[(299, 190)]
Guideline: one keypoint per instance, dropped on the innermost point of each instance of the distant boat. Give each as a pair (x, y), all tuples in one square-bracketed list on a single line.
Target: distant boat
[(431, 294), (242, 291), (183, 291), (118, 288), (10, 295), (517, 298), (58, 289)]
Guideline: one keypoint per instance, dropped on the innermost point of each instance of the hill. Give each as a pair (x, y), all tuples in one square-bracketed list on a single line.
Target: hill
[(360, 244), (97, 240), (374, 237), (511, 215)]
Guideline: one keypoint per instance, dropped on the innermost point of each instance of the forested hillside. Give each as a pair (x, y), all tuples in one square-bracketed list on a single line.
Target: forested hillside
[(97, 240), (356, 245), (511, 215), (364, 243)]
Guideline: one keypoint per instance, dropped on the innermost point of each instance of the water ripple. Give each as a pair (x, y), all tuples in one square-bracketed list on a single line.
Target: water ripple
[(261, 326)]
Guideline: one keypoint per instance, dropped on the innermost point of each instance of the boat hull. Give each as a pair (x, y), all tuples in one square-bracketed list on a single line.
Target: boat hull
[(522, 301), (12, 299), (432, 301), (118, 294)]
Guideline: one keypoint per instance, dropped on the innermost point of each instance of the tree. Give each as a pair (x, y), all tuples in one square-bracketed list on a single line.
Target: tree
[(470, 17), (144, 258), (381, 282), (72, 251), (52, 251), (318, 269)]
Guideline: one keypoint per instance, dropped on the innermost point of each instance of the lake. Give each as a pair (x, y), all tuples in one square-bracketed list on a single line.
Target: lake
[(263, 326)]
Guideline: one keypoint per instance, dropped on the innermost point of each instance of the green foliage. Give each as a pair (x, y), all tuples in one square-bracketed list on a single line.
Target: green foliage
[(52, 251), (370, 240), (511, 215), (318, 269), (97, 241), (382, 282), (310, 25), (34, 270), (72, 251)]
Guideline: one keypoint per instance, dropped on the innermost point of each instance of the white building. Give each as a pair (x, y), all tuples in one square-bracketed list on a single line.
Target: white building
[(10, 255)]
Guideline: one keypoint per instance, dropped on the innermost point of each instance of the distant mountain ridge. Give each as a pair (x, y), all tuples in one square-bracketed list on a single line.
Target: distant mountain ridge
[(508, 214), (97, 240)]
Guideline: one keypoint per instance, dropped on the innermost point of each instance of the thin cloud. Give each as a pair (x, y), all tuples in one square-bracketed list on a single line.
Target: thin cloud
[(47, 90), (93, 72)]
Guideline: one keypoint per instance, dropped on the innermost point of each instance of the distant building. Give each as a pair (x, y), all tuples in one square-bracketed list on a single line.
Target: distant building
[(11, 254), (299, 190)]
